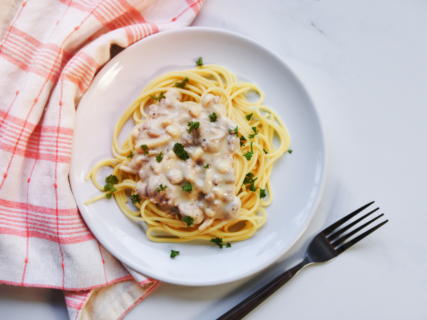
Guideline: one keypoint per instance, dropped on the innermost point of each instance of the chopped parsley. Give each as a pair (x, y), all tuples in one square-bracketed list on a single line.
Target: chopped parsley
[(249, 116), (249, 179), (266, 152), (182, 83), (290, 151), (262, 193), (248, 155), (228, 245), (242, 141), (174, 253), (213, 117), (235, 130), (251, 136), (159, 158), (192, 125), (110, 180), (199, 62), (206, 166), (130, 156), (178, 148), (161, 188), (218, 242), (189, 221), (187, 187), (161, 96), (135, 198), (144, 148)]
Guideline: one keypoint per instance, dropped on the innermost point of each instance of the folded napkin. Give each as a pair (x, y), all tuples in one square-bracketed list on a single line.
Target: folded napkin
[(49, 55)]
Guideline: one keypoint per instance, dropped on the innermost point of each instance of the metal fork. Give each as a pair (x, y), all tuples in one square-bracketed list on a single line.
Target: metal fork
[(326, 246)]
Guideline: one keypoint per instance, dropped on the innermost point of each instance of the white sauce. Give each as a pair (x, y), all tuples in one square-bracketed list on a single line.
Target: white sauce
[(213, 195)]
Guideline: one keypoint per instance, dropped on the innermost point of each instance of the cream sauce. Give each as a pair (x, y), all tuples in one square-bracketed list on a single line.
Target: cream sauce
[(212, 143)]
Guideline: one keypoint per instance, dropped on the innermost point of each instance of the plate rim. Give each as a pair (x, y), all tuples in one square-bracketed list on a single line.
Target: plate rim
[(123, 259)]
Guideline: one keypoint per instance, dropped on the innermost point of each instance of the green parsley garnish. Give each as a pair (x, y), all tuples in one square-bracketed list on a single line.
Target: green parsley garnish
[(235, 130), (135, 198), (290, 151), (144, 148), (265, 151), (248, 155), (174, 253), (199, 62), (242, 141), (182, 83), (213, 117), (189, 221), (262, 193), (159, 158), (187, 187), (249, 116), (251, 136), (130, 156), (206, 166), (161, 96), (218, 242), (178, 148), (110, 180), (228, 245), (161, 188), (249, 179), (192, 125)]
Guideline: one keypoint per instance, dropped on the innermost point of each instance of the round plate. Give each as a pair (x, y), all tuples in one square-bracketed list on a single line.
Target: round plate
[(297, 178)]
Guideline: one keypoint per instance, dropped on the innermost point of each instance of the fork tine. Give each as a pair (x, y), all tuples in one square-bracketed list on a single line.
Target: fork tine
[(341, 240), (332, 227), (357, 239), (342, 230)]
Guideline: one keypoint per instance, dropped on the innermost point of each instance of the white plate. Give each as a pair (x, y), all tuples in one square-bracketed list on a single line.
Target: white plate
[(297, 179)]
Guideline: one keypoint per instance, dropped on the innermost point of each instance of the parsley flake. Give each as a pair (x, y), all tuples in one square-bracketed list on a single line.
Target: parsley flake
[(189, 221), (144, 148), (242, 141), (193, 125), (249, 179), (199, 62), (161, 96), (290, 151), (265, 151), (213, 117), (206, 166), (130, 156), (182, 83), (249, 116), (174, 253), (228, 245), (187, 187), (135, 198), (110, 180), (178, 148), (248, 155), (218, 242), (251, 136), (262, 193), (235, 130), (159, 158), (161, 188)]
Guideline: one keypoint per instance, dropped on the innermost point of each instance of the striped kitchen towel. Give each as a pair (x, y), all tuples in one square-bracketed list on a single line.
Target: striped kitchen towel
[(49, 55)]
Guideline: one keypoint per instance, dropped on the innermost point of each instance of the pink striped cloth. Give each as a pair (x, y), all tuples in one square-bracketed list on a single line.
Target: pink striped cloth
[(48, 57)]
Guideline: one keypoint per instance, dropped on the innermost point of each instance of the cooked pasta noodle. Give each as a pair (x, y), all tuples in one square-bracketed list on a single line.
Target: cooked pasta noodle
[(216, 80)]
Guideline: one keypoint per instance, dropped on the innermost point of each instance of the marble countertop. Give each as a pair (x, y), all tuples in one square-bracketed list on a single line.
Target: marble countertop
[(365, 64)]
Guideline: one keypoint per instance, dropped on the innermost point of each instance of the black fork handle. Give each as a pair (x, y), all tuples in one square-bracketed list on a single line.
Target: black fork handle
[(250, 303)]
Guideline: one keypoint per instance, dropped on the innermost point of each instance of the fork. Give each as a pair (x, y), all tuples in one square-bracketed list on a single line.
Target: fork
[(325, 246)]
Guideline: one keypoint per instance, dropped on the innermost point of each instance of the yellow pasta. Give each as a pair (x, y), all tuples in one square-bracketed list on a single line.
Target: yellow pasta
[(164, 227)]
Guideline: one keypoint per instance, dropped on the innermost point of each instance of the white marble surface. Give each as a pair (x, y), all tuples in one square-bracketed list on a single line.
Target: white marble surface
[(365, 64)]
